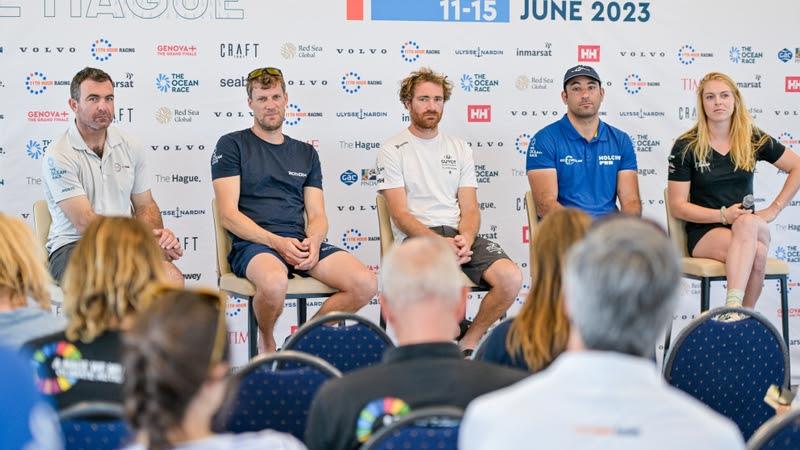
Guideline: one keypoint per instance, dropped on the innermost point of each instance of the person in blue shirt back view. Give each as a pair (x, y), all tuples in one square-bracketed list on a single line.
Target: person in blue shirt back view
[(580, 161)]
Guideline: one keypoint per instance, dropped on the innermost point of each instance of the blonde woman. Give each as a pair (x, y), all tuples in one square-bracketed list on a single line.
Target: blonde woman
[(24, 286), (113, 264), (711, 170)]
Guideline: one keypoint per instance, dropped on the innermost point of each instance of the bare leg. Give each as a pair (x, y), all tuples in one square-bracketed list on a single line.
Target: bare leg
[(356, 284), (270, 277), (505, 280)]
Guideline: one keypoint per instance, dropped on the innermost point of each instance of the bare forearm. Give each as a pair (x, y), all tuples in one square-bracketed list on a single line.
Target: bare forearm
[(789, 190), (412, 227), (690, 212), (317, 228), (150, 215), (632, 207), (244, 227), (469, 224)]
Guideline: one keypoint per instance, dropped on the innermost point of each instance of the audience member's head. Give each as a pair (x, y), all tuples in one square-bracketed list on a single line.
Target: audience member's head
[(422, 287), (113, 263), (541, 329), (620, 285), (23, 274), (175, 360)]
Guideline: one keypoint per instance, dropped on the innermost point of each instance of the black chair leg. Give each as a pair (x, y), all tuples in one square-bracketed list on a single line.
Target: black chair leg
[(667, 338), (252, 330), (705, 294), (302, 311), (785, 319)]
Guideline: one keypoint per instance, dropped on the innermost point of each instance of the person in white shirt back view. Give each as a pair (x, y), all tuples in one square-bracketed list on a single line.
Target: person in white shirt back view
[(605, 391)]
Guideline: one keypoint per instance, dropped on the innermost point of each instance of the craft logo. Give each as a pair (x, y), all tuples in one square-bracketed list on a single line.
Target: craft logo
[(189, 243), (785, 55), (176, 50), (361, 114), (744, 55), (352, 239), (643, 54), (536, 52), (792, 84), (486, 145), (755, 84), (102, 50), (165, 115), (410, 51), (348, 177), (479, 113), (36, 149), (359, 145), (688, 54), (294, 114), (533, 82), (789, 253), (179, 212), (588, 53), (687, 113), (369, 177), (788, 140), (37, 83), (291, 51), (643, 144), (126, 82), (642, 114), (478, 52), (634, 84), (362, 51), (352, 82), (175, 82), (238, 50), (177, 147), (477, 82), (522, 142), (123, 115), (484, 175), (48, 116)]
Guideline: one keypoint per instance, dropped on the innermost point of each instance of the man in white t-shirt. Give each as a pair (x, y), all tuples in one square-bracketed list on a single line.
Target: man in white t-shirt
[(605, 392), (428, 180)]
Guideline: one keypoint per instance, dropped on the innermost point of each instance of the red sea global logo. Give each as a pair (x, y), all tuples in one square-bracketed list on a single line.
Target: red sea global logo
[(788, 140), (792, 84), (588, 53), (102, 50), (479, 113)]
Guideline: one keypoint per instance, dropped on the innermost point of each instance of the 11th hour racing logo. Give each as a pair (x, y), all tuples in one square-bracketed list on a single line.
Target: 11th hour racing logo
[(37, 82), (102, 50), (788, 140), (351, 82), (411, 51), (634, 84), (295, 114), (353, 239), (688, 54), (523, 142)]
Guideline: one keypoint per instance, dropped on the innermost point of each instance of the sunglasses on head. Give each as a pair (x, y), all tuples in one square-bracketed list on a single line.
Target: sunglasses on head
[(258, 73)]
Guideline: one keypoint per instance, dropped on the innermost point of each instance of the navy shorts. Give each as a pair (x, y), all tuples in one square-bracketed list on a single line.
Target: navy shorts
[(243, 251)]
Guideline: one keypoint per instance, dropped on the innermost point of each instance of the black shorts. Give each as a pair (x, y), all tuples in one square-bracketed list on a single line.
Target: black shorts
[(57, 262), (696, 231), (484, 254)]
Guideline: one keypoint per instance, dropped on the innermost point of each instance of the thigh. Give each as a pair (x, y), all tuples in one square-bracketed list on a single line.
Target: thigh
[(714, 244), (57, 262), (244, 254), (484, 254), (263, 267), (337, 268)]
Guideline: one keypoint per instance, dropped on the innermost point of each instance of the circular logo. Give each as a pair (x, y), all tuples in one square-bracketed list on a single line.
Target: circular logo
[(466, 82), (36, 83), (352, 239), (293, 114), (48, 381), (377, 414), (34, 149), (787, 140), (163, 115), (522, 143), (522, 82), (686, 55), (351, 82), (288, 50), (348, 177), (162, 83), (780, 253), (785, 55), (101, 49), (234, 309), (410, 51), (633, 84)]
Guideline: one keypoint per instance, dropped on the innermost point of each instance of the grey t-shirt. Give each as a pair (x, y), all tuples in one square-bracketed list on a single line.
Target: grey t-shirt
[(24, 324), (261, 440)]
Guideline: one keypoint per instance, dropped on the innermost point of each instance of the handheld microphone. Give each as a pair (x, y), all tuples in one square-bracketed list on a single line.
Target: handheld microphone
[(748, 201)]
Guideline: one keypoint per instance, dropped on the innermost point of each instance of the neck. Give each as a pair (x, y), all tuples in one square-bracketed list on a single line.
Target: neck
[(274, 137), (586, 127), (575, 342), (424, 323), (94, 139), (9, 302), (194, 426), (719, 130), (423, 133)]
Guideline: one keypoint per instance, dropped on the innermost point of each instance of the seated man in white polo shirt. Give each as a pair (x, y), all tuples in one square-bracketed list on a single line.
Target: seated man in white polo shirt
[(95, 169)]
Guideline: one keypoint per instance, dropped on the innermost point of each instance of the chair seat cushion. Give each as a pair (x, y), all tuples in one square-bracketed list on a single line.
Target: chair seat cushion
[(705, 267), (297, 285)]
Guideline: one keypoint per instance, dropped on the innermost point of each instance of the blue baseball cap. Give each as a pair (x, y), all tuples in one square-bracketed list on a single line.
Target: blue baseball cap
[(580, 71)]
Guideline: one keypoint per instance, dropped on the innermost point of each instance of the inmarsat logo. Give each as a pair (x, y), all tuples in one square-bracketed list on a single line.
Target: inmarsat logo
[(410, 51), (102, 50)]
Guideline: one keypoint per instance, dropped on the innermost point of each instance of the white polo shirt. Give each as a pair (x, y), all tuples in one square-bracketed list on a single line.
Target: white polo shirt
[(595, 400), (71, 169), (431, 171)]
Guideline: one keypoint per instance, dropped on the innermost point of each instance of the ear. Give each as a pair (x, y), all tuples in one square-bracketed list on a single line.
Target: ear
[(73, 104), (564, 96), (407, 105)]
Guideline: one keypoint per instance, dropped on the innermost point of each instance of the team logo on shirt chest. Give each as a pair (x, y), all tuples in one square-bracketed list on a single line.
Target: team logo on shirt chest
[(608, 160), (449, 163), (570, 160)]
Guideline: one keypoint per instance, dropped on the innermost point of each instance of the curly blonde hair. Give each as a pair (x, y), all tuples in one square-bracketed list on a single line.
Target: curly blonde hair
[(107, 274), (22, 264), (422, 75)]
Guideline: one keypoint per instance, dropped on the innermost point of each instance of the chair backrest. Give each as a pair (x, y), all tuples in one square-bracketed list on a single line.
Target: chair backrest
[(384, 224), (675, 228), (729, 365), (779, 433), (434, 428), (94, 426), (223, 241), (533, 221), (266, 395), (346, 346), (41, 221)]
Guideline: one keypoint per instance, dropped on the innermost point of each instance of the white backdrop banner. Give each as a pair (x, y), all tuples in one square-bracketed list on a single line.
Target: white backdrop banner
[(179, 68)]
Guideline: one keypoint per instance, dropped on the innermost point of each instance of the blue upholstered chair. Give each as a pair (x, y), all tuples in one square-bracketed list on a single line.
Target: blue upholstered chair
[(351, 342), (266, 395), (779, 433), (730, 365), (427, 428), (94, 426)]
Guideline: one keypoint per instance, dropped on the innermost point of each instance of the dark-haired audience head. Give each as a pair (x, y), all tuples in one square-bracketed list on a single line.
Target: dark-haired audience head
[(175, 361), (22, 265), (621, 285), (107, 273), (422, 288)]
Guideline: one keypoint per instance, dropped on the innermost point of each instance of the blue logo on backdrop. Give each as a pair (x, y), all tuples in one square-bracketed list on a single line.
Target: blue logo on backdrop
[(348, 177), (35, 149), (175, 82), (785, 55)]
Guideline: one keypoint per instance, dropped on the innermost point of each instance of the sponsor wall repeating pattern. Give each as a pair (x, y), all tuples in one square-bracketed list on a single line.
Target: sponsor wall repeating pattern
[(179, 71)]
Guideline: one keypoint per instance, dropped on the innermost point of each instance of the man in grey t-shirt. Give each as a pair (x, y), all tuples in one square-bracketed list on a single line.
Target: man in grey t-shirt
[(95, 169)]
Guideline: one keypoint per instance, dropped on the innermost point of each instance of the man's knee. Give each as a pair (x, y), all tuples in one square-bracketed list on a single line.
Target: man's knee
[(364, 286), (506, 277)]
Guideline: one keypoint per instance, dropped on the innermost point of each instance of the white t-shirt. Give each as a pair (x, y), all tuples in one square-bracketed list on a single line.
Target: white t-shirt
[(260, 440), (595, 400), (70, 169), (431, 171)]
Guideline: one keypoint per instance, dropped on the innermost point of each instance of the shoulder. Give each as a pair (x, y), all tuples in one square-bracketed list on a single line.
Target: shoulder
[(299, 145), (35, 344), (254, 440), (233, 137)]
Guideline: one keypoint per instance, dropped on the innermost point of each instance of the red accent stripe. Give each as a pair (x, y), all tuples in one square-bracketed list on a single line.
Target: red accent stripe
[(355, 9)]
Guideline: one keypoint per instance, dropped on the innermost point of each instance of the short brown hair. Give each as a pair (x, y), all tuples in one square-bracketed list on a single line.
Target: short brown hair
[(87, 73), (424, 74), (266, 81)]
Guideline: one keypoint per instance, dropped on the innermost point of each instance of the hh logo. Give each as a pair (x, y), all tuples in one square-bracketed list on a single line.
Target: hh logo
[(588, 53), (479, 113), (792, 84)]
